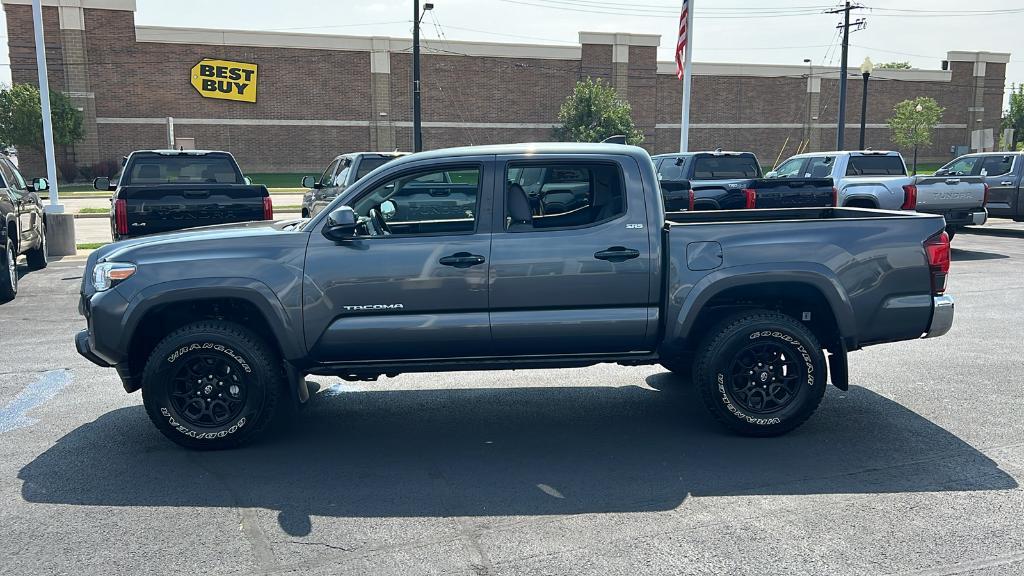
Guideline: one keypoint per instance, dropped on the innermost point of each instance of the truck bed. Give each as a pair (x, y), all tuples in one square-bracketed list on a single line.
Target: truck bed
[(880, 264)]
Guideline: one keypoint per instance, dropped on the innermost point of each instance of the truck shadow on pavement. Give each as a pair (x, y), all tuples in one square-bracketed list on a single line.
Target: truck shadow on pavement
[(508, 451), (961, 255)]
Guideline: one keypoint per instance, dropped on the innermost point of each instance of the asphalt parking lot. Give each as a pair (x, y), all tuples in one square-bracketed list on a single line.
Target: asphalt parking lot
[(605, 470)]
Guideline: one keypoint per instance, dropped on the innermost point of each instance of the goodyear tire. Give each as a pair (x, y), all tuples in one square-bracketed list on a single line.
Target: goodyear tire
[(212, 385), (36, 257), (8, 272), (761, 373)]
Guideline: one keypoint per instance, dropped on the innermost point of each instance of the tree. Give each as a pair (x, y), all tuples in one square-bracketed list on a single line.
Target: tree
[(913, 121), (594, 112), (894, 65), (1014, 117), (21, 118)]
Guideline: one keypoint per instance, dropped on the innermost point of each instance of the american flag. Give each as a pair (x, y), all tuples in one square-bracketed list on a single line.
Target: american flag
[(681, 42)]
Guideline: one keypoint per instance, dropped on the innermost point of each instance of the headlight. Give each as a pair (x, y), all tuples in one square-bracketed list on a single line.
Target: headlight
[(105, 275)]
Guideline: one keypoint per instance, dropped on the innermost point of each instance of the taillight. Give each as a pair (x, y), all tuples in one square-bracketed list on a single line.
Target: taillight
[(909, 197), (121, 216), (985, 202), (937, 249), (750, 197), (693, 199), (835, 196), (268, 208)]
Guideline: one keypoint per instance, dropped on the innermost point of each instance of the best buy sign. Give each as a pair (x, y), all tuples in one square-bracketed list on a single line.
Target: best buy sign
[(225, 80)]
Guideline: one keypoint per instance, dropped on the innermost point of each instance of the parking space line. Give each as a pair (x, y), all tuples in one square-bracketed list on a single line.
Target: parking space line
[(13, 416)]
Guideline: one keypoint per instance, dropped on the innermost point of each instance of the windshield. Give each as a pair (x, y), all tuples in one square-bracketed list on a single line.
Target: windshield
[(183, 169), (718, 167)]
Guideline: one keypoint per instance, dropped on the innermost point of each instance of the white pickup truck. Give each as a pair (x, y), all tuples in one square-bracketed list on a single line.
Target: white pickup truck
[(878, 179)]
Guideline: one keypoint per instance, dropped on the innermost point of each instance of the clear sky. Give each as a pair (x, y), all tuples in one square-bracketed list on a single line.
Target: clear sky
[(755, 31)]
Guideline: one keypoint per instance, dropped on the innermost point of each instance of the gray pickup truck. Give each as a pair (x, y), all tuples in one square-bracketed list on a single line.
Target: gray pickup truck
[(1003, 172), (878, 179), (439, 262)]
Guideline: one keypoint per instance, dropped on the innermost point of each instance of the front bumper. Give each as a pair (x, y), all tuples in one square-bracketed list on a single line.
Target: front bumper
[(942, 316), (83, 347)]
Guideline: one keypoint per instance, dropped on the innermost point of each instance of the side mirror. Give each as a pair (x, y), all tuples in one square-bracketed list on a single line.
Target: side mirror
[(309, 182), (772, 174), (40, 184), (102, 183), (341, 224), (941, 172), (247, 180), (388, 209)]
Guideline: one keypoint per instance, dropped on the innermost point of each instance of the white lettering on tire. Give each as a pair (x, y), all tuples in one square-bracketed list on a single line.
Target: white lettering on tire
[(210, 346), (201, 435)]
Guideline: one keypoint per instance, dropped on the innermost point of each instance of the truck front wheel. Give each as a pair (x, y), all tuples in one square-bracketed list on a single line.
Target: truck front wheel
[(761, 373), (212, 385)]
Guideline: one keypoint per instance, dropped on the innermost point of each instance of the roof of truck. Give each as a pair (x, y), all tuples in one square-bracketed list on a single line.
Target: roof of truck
[(529, 148)]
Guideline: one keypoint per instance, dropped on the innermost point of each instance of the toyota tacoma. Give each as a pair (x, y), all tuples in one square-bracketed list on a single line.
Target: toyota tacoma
[(439, 261)]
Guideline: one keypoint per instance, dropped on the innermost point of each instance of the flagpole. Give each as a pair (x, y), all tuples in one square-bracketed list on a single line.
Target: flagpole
[(684, 131)]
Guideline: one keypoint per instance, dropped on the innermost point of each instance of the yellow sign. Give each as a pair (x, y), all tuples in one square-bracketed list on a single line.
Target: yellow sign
[(225, 80)]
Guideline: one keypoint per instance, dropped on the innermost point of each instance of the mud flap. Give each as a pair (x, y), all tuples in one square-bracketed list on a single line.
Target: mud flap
[(296, 384), (838, 367)]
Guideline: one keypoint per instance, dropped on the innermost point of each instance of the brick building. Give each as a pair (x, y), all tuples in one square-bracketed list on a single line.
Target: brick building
[(319, 95)]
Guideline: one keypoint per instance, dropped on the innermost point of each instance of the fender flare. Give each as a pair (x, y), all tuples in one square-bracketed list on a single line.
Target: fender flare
[(248, 289), (814, 275)]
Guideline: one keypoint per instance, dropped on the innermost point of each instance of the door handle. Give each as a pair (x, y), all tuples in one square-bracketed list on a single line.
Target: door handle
[(953, 181), (1006, 183), (196, 194), (617, 254), (462, 260)]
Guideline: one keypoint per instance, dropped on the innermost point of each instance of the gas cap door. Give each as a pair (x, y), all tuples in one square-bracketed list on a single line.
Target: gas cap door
[(704, 255)]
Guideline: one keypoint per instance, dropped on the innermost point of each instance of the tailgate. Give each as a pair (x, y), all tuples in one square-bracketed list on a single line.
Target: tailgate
[(163, 208), (938, 194), (793, 192)]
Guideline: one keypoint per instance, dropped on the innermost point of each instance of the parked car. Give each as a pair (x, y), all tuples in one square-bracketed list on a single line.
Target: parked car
[(166, 190), (730, 180), (878, 179), (219, 326), (1004, 174), (24, 226), (342, 172)]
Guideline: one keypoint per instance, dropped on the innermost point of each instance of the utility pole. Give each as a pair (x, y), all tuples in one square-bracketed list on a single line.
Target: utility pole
[(860, 23), (417, 128)]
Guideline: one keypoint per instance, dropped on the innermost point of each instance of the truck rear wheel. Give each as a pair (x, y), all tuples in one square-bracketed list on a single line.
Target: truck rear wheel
[(761, 373), (212, 385)]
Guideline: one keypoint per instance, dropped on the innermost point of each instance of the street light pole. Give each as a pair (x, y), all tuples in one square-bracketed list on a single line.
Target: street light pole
[(865, 69), (810, 80), (917, 109), (417, 128)]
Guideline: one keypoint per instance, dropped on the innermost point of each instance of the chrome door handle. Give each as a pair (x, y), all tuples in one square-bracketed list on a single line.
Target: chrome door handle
[(1006, 183), (953, 181)]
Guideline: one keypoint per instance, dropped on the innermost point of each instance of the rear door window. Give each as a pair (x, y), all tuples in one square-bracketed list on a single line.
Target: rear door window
[(563, 195), (996, 165), (371, 163), (876, 166), (707, 167), (819, 167)]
